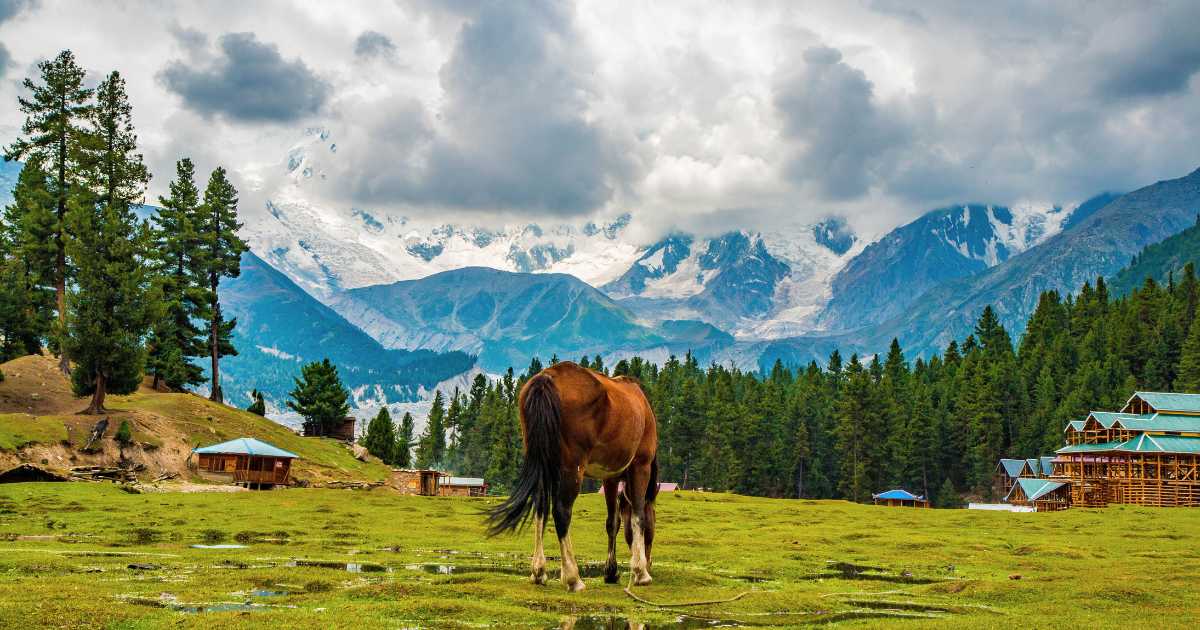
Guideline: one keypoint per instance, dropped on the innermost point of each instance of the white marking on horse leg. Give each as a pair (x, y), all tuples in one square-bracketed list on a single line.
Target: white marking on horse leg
[(637, 563), (570, 570), (539, 554)]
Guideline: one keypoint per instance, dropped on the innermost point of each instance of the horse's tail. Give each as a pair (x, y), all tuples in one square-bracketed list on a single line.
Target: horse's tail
[(652, 488), (537, 484)]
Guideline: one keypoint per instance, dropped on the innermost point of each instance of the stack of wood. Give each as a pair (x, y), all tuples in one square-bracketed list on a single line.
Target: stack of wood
[(350, 485), (102, 473)]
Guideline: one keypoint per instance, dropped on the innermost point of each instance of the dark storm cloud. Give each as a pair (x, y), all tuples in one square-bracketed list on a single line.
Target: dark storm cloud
[(513, 132), (374, 45), (248, 81), (843, 134), (1159, 55)]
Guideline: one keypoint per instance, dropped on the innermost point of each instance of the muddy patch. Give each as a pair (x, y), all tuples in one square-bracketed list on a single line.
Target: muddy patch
[(349, 567)]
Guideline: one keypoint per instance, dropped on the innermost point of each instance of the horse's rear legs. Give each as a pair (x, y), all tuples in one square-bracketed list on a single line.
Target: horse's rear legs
[(639, 481), (568, 490), (539, 554)]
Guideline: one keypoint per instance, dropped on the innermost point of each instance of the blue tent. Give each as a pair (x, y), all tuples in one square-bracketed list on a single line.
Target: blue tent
[(898, 495)]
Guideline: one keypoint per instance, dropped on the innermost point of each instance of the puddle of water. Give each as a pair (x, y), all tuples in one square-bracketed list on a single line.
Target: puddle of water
[(170, 603), (683, 622), (223, 546), (265, 593), (850, 571), (351, 567)]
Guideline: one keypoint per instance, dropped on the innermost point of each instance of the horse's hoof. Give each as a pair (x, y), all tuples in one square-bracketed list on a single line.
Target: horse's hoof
[(538, 578), (575, 587), (642, 580), (612, 578)]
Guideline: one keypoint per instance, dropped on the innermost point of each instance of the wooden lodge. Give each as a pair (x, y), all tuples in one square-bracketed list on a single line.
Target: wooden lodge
[(422, 482), (343, 432), (245, 462), (1146, 454), (1043, 495), (900, 498), (1008, 471), (461, 486)]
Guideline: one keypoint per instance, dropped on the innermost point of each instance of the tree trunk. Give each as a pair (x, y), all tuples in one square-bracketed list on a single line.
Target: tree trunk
[(215, 347), (97, 405), (60, 290), (60, 262)]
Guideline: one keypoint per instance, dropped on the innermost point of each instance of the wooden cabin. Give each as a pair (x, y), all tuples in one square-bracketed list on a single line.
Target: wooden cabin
[(1006, 475), (1044, 495), (422, 482), (245, 462), (343, 431), (1146, 454), (900, 498), (461, 486)]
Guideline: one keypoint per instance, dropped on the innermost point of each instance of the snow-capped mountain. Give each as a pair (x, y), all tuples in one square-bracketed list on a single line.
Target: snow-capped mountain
[(326, 249), (944, 244), (753, 284)]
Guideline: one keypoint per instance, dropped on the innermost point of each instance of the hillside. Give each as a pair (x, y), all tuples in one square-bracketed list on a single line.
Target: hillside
[(1158, 261), (280, 327), (504, 317), (39, 424)]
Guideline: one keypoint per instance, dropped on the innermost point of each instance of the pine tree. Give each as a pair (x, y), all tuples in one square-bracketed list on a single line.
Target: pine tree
[(432, 446), (218, 255), (258, 404), (504, 454), (175, 339), (55, 112), (454, 417), (26, 266), (1188, 379), (854, 406), (947, 496), (107, 313), (380, 439), (124, 434), (402, 451), (320, 398)]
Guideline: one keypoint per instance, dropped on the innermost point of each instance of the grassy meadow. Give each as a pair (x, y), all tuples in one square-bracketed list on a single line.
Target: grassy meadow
[(92, 555)]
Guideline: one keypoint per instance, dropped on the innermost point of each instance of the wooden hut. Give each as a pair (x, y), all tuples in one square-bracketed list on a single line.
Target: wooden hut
[(245, 461), (423, 482), (461, 486), (900, 498), (343, 431), (1146, 454), (1006, 475), (1044, 495)]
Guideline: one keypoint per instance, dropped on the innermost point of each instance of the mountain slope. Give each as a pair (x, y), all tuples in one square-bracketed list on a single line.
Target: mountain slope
[(948, 243), (1159, 261), (280, 327), (1098, 246), (507, 317)]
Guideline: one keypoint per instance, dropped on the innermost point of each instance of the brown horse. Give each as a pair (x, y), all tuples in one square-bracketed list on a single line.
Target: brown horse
[(579, 423)]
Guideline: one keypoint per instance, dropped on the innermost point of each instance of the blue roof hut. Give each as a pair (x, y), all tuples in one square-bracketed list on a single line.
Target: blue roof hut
[(245, 461)]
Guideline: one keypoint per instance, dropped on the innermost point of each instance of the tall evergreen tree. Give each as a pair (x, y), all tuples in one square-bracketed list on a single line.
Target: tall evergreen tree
[(56, 111), (26, 266), (107, 314), (1188, 379), (320, 398), (217, 256), (175, 339), (402, 452), (380, 438), (432, 447)]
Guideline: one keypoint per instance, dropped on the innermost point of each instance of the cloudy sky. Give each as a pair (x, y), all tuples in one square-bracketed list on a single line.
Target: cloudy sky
[(686, 113)]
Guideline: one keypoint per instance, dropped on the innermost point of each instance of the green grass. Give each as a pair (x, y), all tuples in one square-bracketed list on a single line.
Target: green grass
[(21, 429), (66, 551)]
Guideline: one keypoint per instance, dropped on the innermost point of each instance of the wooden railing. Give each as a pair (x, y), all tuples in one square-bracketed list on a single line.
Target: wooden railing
[(257, 476)]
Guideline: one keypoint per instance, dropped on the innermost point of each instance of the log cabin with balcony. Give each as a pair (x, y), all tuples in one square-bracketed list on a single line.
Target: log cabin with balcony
[(245, 462), (1146, 454)]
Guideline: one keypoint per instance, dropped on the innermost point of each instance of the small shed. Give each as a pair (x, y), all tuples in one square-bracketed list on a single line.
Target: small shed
[(900, 498), (343, 431), (423, 482), (461, 486), (245, 461), (1041, 494)]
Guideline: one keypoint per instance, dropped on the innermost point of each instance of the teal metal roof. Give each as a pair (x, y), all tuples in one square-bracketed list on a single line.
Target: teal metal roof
[(1146, 443), (246, 446), (1035, 466), (1161, 422), (1047, 464), (1013, 467), (1089, 448), (1170, 401), (1109, 419), (903, 495), (1035, 489), (1075, 424)]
